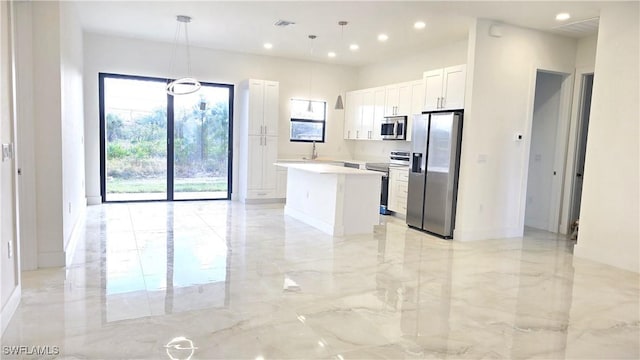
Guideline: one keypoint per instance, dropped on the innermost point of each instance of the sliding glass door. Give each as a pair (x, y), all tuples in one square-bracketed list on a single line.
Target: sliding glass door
[(158, 147), (201, 144)]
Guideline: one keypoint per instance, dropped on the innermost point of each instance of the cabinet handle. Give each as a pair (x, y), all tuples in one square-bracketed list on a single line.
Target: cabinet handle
[(357, 134), (348, 134), (442, 103), (438, 105), (265, 132)]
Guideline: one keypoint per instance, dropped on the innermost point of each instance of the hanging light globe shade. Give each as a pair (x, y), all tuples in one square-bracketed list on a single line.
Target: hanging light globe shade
[(183, 86)]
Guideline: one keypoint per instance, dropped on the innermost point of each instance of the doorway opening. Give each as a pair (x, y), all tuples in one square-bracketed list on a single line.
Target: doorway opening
[(155, 146), (544, 179), (581, 146)]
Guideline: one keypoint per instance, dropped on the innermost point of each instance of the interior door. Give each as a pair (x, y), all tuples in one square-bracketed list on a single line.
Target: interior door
[(585, 111)]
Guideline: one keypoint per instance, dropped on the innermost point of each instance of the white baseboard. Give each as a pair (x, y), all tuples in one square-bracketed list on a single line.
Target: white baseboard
[(10, 308), (486, 234), (264, 201), (94, 200), (51, 259), (70, 250)]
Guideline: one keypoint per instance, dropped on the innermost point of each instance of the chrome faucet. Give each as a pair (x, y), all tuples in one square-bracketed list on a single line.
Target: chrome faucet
[(314, 152)]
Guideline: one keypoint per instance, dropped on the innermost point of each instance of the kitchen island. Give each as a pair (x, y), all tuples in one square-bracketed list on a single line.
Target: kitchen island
[(337, 200)]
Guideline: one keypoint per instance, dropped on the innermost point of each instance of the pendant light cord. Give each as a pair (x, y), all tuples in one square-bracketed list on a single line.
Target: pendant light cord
[(186, 36)]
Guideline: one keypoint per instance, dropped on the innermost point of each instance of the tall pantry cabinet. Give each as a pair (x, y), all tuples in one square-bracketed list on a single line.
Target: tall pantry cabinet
[(258, 100)]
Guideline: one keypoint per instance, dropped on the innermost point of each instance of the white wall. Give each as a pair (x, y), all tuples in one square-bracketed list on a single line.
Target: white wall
[(543, 146), (586, 51), (411, 67), (47, 110), (499, 104), (399, 70), (26, 130), (72, 117), (9, 273), (146, 58), (50, 112), (609, 227)]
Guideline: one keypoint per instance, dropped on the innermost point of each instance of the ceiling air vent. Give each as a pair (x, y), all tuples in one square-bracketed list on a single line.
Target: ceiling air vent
[(579, 28), (284, 23)]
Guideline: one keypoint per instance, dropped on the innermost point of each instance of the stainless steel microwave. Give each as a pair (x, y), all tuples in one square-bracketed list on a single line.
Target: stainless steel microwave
[(394, 128)]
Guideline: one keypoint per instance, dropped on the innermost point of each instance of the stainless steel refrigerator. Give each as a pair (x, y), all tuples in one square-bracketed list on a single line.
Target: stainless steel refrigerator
[(433, 173)]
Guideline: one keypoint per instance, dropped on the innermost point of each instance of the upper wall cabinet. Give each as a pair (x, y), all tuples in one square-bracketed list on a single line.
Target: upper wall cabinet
[(365, 109), (444, 88), (352, 114), (398, 99), (263, 109)]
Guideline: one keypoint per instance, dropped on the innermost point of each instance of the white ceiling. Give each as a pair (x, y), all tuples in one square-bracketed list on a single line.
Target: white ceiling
[(243, 26)]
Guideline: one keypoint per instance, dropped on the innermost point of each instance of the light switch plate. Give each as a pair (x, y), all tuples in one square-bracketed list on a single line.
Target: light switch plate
[(7, 152)]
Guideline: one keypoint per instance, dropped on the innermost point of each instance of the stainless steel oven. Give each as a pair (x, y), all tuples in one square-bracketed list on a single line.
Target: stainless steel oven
[(394, 128), (384, 189), (396, 158)]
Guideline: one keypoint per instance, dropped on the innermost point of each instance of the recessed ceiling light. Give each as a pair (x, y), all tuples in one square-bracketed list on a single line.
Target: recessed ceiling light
[(354, 47), (331, 54), (383, 37), (419, 25), (268, 45), (563, 16)]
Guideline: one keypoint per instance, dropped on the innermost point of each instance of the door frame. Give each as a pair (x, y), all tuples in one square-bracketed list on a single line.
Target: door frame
[(170, 137), (572, 146), (564, 121)]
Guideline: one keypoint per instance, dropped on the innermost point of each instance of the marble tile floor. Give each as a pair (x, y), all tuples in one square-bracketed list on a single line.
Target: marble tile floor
[(224, 280)]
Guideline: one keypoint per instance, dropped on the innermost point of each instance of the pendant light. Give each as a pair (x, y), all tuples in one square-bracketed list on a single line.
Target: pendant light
[(339, 103), (310, 105), (184, 85)]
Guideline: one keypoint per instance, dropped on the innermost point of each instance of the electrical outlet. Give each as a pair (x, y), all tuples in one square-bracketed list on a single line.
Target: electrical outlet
[(7, 152)]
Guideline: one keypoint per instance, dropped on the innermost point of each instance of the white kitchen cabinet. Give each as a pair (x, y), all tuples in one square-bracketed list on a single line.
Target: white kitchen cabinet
[(417, 103), (379, 97), (398, 189), (258, 139), (366, 122), (398, 99), (365, 109), (353, 114), (444, 88)]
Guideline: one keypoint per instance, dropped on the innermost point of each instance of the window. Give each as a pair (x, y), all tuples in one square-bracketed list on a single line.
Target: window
[(307, 126)]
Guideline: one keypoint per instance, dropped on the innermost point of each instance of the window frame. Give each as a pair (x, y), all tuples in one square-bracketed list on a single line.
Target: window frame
[(293, 120)]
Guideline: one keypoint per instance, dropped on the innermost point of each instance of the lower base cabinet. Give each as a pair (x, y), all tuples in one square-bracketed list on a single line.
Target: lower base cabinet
[(398, 189)]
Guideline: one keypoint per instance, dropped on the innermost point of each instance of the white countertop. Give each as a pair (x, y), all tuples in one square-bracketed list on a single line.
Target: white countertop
[(320, 168)]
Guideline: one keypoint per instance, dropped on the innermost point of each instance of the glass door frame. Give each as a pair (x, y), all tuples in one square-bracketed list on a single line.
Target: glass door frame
[(170, 138)]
